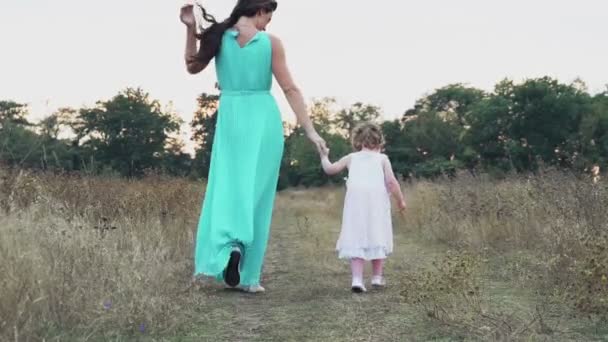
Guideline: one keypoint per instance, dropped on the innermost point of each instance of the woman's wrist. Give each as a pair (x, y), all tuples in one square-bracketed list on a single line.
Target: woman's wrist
[(311, 132), (191, 29)]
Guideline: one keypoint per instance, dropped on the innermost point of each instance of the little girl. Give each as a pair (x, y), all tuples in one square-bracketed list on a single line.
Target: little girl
[(367, 232)]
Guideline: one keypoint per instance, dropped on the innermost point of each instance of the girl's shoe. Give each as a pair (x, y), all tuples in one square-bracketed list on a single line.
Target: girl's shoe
[(378, 281), (358, 287)]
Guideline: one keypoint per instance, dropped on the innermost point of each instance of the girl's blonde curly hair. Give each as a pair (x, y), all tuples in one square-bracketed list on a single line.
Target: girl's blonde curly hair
[(367, 135)]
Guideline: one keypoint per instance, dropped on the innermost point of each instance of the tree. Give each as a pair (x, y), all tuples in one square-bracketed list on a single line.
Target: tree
[(128, 133), (14, 113), (433, 133), (398, 147), (19, 146), (488, 139), (453, 103), (175, 161), (544, 121), (62, 122), (203, 132), (22, 146), (594, 134), (520, 125), (432, 145), (322, 114), (346, 119)]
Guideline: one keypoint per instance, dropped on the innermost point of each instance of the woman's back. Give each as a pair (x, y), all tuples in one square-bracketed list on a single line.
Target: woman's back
[(244, 68), (245, 161)]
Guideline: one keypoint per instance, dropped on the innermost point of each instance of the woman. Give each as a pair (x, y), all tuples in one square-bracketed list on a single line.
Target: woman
[(248, 144)]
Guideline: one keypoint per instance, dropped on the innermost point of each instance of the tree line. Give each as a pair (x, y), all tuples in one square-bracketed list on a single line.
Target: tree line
[(517, 127)]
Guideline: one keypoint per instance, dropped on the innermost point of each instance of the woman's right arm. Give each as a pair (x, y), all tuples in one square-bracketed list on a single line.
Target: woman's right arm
[(187, 17), (292, 92)]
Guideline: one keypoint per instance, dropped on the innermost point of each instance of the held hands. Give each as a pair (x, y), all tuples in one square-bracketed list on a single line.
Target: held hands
[(323, 152), (319, 143)]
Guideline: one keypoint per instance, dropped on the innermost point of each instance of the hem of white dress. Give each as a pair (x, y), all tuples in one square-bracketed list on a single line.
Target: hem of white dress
[(374, 253)]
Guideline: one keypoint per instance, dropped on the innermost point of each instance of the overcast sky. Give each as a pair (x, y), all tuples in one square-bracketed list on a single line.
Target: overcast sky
[(385, 52)]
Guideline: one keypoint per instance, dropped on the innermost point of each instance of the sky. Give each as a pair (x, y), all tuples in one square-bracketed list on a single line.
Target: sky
[(384, 52)]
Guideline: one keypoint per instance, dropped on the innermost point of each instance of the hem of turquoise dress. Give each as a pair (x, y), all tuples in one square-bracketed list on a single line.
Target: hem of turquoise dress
[(219, 276), (215, 271)]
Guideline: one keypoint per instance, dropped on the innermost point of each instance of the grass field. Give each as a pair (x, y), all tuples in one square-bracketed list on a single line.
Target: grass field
[(94, 259)]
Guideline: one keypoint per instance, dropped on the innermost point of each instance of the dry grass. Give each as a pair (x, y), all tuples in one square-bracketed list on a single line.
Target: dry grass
[(94, 259), (544, 235), (515, 213), (93, 254)]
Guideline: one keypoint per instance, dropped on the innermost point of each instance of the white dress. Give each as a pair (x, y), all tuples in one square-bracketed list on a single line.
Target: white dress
[(367, 229)]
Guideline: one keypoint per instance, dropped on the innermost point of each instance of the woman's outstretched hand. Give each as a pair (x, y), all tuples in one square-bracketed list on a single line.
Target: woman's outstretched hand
[(187, 15)]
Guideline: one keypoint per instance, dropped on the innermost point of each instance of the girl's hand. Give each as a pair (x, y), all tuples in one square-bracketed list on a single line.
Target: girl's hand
[(323, 152), (402, 206), (187, 16)]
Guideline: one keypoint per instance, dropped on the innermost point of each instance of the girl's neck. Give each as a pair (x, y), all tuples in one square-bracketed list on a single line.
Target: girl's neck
[(365, 149)]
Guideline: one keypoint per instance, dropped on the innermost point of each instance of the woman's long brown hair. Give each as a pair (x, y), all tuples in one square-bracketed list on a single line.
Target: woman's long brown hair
[(211, 38)]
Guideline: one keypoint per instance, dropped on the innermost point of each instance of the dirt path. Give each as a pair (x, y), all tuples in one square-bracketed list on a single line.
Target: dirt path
[(308, 296)]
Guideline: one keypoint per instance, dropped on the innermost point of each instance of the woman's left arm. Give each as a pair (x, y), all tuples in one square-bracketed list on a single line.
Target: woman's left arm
[(292, 92)]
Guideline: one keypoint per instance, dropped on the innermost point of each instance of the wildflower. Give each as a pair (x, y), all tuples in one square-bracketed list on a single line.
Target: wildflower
[(107, 305)]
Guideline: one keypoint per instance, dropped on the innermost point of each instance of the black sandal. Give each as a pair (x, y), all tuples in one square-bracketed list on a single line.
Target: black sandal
[(232, 276)]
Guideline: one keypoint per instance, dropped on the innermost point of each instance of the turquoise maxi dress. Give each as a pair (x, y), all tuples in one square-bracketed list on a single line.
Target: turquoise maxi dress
[(245, 161)]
